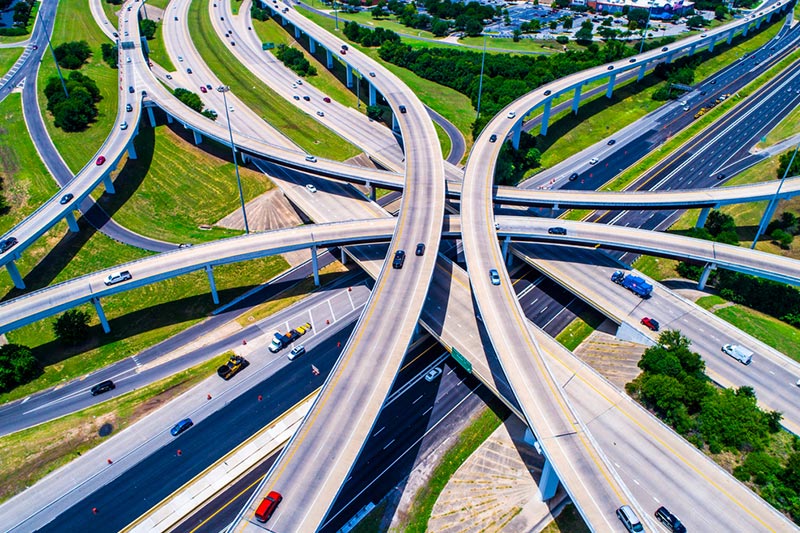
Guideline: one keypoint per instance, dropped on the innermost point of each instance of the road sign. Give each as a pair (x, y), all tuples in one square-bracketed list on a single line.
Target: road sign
[(461, 360)]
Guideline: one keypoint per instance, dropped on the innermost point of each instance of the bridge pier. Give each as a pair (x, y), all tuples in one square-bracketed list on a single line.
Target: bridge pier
[(730, 37), (315, 265), (101, 315), (545, 117), (329, 59), (701, 285), (693, 47), (548, 483), (744, 30), (371, 189), (312, 45), (758, 23), (516, 131), (212, 284), (711, 45), (108, 184), (395, 124), (668, 59), (372, 95), (349, 70), (769, 17), (198, 138), (343, 259), (152, 117), (506, 242), (701, 220), (769, 212), (642, 72), (283, 20), (71, 222), (131, 150), (16, 277), (297, 32), (611, 80), (169, 119), (576, 100)]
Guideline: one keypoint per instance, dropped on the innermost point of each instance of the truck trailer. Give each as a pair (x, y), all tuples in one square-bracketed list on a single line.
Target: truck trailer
[(635, 284)]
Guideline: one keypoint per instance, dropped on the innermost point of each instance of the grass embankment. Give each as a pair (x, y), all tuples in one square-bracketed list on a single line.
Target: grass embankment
[(26, 184), (174, 186), (767, 329), (74, 22), (389, 23), (469, 441), (579, 329), (158, 49), (503, 45), (9, 56), (451, 104), (31, 454), (112, 12), (309, 134), (787, 127)]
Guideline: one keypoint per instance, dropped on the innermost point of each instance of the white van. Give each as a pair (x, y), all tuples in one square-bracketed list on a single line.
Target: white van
[(740, 353)]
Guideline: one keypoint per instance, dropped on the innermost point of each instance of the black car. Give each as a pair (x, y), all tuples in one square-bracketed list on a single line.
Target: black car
[(402, 109), (181, 426), (66, 198), (399, 259), (573, 176), (188, 71), (670, 520), (611, 67), (307, 98), (492, 138), (547, 92), (664, 49), (611, 142), (102, 387), (632, 60), (720, 176), (420, 249), (131, 89), (557, 231), (6, 244), (128, 107)]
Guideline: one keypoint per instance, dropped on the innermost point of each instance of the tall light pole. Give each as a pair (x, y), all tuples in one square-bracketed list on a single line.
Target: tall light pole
[(50, 45), (774, 200), (358, 90), (335, 15), (480, 81), (224, 89), (646, 25)]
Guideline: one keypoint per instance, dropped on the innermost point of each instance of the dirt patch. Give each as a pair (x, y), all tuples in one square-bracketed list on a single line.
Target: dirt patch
[(616, 360)]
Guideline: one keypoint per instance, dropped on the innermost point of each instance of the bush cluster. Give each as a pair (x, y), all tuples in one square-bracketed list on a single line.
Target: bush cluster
[(72, 55), (17, 366), (73, 113), (295, 60), (110, 54)]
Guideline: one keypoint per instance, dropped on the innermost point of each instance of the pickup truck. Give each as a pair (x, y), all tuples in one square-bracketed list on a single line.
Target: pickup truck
[(117, 277), (232, 367), (635, 284), (281, 340)]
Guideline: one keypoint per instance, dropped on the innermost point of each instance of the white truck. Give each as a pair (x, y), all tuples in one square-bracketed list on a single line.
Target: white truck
[(740, 353)]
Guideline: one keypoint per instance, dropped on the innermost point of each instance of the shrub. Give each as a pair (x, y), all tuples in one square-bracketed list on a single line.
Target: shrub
[(72, 328), (17, 366), (72, 55)]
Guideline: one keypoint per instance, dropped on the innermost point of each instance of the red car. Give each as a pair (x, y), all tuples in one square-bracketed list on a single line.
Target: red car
[(100, 160), (650, 323), (268, 506), (326, 100), (203, 89)]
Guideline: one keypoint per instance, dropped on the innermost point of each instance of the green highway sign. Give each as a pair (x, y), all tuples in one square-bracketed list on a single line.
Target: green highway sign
[(461, 360)]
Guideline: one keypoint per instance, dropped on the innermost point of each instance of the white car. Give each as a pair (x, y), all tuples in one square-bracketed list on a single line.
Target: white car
[(128, 59), (320, 114), (311, 188), (512, 114), (593, 161), (433, 373), (297, 352), (180, 58)]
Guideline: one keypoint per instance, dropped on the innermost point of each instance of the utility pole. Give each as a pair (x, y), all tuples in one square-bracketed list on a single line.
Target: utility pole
[(50, 45), (480, 81), (224, 89)]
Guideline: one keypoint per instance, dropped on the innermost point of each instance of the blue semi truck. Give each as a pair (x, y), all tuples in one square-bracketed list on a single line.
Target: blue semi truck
[(635, 284)]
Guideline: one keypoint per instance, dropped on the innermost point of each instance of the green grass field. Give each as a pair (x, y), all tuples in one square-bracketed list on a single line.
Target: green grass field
[(579, 329), (787, 127), (501, 45), (158, 50), (389, 23), (111, 12), (25, 180), (8, 56), (765, 328), (656, 268), (74, 22), (173, 187), (284, 116)]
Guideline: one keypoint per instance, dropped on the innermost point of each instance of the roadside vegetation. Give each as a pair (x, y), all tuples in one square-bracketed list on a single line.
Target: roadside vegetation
[(726, 424), (31, 454), (579, 329), (8, 56)]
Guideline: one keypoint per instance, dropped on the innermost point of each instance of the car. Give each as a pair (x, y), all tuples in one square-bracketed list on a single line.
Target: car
[(299, 82), (557, 230), (371, 74), (268, 506), (181, 426), (180, 58), (117, 277), (103, 386), (116, 34), (548, 92), (296, 97), (185, 245), (294, 86), (296, 352), (704, 35), (176, 18), (420, 248), (611, 67), (233, 43), (327, 100), (66, 198), (665, 49), (399, 259), (650, 323), (203, 89), (511, 114), (208, 86), (144, 93), (720, 176), (306, 98), (128, 108), (311, 188), (345, 47), (320, 113), (494, 276), (611, 142), (573, 176), (6, 244), (492, 138), (123, 126), (343, 52), (188, 71), (433, 373), (669, 520), (629, 519), (222, 18), (233, 366), (402, 109), (100, 160), (126, 34), (593, 161), (131, 89), (311, 159), (128, 59), (36, 46), (169, 76), (632, 60), (714, 82)]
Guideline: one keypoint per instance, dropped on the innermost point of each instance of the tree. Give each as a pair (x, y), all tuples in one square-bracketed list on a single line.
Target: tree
[(473, 27), (696, 22), (72, 55), (584, 35), (147, 28), (440, 27), (374, 112), (720, 12), (189, 98), (72, 328), (17, 366), (732, 419), (718, 222), (781, 237), (110, 54), (515, 34), (562, 39), (567, 23), (783, 162)]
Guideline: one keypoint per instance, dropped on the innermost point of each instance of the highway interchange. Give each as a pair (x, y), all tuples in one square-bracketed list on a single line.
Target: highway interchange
[(419, 208)]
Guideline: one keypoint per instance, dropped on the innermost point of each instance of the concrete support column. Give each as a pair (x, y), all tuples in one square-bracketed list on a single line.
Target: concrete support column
[(198, 138), (343, 259), (701, 220), (297, 32), (315, 265), (312, 45), (549, 481), (395, 124), (744, 30), (516, 131), (108, 184), (769, 17), (711, 45), (701, 285), (769, 212), (610, 90), (349, 75), (283, 20), (576, 100), (131, 150), (642, 72), (72, 223), (371, 190), (506, 242), (730, 36), (169, 119), (213, 284), (692, 49), (152, 117), (101, 315), (758, 24), (372, 96), (16, 277), (545, 116), (245, 158), (329, 59), (668, 59)]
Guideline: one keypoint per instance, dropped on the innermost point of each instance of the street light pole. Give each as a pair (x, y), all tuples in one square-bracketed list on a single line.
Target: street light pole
[(774, 200), (50, 45), (358, 90), (335, 15), (480, 81), (224, 89), (646, 25)]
